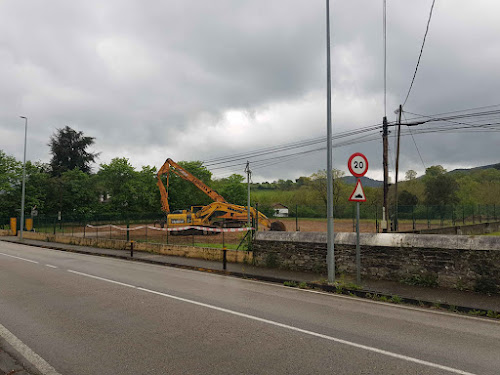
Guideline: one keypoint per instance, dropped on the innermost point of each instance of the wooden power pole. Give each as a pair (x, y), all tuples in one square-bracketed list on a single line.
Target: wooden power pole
[(396, 224), (386, 174)]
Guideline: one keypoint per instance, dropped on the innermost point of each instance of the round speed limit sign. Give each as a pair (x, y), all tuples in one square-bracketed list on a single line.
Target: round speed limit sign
[(358, 164)]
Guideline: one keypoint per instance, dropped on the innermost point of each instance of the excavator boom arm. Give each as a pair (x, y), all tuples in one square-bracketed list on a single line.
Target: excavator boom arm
[(170, 165)]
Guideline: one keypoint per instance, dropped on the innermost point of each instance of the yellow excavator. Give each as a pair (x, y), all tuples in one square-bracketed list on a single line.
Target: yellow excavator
[(217, 214)]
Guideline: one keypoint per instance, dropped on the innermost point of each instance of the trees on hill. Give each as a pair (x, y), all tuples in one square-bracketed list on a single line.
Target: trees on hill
[(440, 188), (125, 190), (68, 185), (232, 188)]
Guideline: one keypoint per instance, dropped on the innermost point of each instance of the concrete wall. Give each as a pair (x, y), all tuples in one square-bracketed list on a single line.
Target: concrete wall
[(464, 262), (206, 253), (473, 229), (5, 232)]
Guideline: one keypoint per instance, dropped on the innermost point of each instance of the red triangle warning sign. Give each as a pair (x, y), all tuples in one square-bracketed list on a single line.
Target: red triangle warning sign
[(358, 195)]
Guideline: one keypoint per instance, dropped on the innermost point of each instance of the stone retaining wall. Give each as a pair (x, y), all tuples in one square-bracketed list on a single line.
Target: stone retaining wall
[(473, 229), (463, 262), (205, 253)]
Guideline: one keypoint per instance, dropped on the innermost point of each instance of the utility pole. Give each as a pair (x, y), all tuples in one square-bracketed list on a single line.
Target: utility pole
[(386, 174), (330, 252), (396, 223), (24, 177), (249, 172)]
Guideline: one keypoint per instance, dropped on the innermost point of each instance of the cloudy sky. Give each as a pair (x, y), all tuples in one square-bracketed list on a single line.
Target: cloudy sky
[(196, 80)]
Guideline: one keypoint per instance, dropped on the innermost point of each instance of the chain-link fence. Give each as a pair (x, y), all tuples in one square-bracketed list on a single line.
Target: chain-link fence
[(140, 228), (153, 227), (405, 219)]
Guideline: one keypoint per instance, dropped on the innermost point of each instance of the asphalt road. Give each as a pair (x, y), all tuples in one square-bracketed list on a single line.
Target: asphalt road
[(93, 315)]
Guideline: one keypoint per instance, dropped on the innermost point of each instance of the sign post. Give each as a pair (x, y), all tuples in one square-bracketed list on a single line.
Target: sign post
[(358, 166)]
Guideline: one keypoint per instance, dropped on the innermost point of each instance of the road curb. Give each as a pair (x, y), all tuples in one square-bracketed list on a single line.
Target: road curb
[(9, 366), (339, 289)]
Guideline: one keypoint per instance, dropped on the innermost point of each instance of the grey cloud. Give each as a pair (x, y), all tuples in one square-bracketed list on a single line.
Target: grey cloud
[(147, 78)]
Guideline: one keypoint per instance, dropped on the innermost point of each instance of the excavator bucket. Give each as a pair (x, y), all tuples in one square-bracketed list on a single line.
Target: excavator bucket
[(278, 226)]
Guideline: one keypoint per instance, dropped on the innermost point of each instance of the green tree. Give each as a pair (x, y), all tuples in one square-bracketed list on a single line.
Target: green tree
[(468, 190), (410, 175), (440, 188), (10, 184), (405, 198), (318, 183), (129, 191), (148, 197), (69, 151), (79, 196), (232, 189), (302, 181), (37, 186), (117, 180), (183, 194)]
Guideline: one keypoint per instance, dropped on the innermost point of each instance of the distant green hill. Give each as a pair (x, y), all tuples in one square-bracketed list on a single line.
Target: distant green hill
[(469, 170), (365, 181)]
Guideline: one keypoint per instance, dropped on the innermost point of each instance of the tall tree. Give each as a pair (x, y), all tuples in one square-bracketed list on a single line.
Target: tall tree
[(318, 183), (410, 175), (440, 188), (232, 188), (69, 151), (118, 178), (182, 194), (10, 184)]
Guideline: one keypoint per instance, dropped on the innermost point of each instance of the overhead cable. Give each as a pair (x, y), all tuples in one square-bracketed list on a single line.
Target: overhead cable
[(421, 51)]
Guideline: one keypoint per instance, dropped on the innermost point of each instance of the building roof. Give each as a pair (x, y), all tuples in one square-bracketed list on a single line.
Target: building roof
[(279, 205)]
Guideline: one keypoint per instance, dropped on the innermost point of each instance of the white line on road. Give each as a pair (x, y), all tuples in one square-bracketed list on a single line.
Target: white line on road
[(315, 334), (51, 266), (13, 256), (292, 328), (101, 278), (27, 353)]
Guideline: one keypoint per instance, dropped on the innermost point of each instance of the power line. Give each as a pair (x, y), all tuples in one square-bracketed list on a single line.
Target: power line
[(259, 159), (286, 147), (421, 51), (457, 111), (422, 160)]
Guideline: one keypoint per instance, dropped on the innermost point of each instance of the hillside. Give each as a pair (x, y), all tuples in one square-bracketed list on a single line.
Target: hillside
[(470, 170), (365, 181)]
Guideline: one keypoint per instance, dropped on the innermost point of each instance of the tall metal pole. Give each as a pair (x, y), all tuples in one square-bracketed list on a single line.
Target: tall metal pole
[(396, 224), (24, 176), (386, 174), (330, 256), (384, 121), (358, 251), (247, 169)]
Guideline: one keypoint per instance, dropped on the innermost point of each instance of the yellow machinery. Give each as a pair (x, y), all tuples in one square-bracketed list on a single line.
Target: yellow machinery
[(219, 213)]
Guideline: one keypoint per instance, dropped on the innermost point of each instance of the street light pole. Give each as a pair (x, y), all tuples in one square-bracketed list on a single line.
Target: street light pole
[(330, 255), (24, 176)]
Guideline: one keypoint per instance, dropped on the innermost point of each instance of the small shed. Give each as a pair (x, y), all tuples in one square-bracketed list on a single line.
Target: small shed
[(280, 210)]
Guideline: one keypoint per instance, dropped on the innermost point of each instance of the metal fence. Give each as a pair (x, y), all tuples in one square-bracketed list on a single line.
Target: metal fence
[(139, 228), (151, 227), (407, 218)]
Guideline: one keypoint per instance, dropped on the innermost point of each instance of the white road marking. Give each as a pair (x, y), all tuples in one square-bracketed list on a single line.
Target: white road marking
[(315, 334), (27, 353), (333, 295), (51, 266), (26, 260), (286, 326), (101, 278)]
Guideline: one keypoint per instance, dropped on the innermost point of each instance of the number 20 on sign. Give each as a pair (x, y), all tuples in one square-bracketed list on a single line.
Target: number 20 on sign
[(358, 164)]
